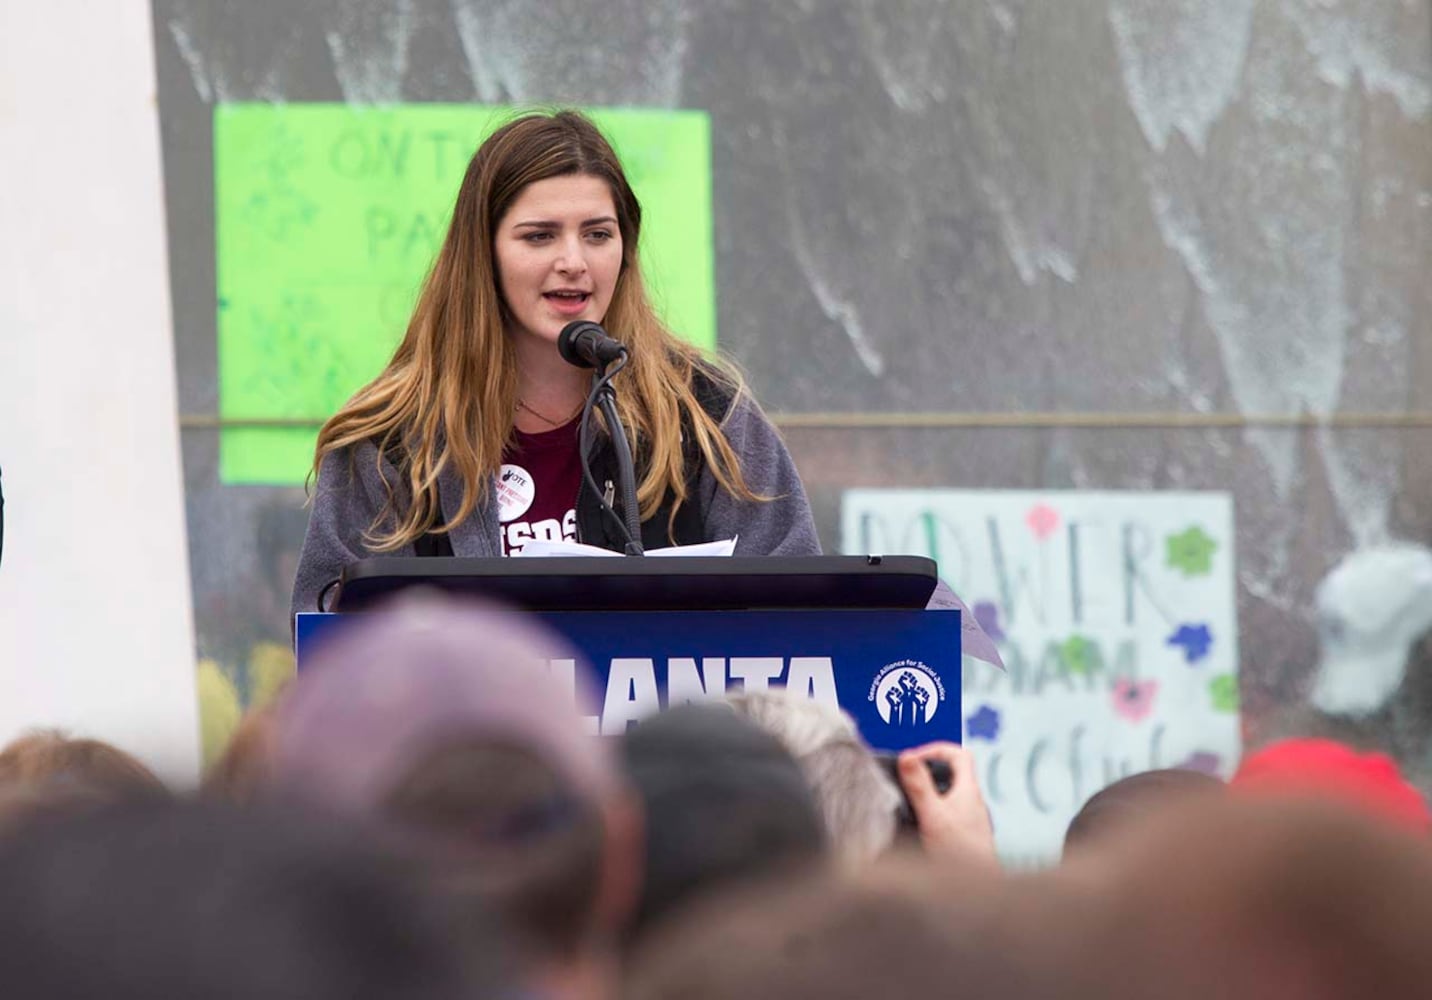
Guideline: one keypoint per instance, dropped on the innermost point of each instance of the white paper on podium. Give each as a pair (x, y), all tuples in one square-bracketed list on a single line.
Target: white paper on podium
[(973, 639), (541, 549)]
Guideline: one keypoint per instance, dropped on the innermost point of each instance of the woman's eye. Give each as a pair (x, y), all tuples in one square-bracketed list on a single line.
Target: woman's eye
[(600, 235), (536, 237)]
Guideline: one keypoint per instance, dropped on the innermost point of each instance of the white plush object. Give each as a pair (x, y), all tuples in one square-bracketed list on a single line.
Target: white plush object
[(1371, 609)]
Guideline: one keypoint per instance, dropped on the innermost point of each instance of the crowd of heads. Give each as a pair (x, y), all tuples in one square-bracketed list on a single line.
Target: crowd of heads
[(427, 811)]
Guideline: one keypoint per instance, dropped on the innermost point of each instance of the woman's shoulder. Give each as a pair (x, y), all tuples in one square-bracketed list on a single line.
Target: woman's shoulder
[(356, 452), (362, 462), (715, 388)]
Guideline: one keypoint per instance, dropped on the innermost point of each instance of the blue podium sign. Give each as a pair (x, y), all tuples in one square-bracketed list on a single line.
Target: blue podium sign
[(896, 672)]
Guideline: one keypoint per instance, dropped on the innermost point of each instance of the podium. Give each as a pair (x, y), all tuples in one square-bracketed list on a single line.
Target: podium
[(656, 631)]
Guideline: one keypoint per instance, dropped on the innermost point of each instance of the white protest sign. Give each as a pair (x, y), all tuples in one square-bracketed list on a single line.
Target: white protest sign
[(1115, 616)]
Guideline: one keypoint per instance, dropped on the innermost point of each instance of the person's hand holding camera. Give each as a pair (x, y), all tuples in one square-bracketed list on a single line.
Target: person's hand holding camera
[(956, 823)]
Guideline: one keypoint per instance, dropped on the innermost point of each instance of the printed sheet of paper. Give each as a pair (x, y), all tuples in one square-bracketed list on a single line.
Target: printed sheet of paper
[(543, 549)]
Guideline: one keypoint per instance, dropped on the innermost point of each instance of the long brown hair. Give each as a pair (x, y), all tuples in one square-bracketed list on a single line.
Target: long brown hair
[(448, 394)]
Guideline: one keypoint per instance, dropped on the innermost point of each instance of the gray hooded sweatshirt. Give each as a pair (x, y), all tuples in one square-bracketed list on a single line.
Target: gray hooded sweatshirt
[(350, 494)]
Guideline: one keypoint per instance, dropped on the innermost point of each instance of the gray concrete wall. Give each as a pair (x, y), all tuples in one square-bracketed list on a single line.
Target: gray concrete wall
[(1218, 211)]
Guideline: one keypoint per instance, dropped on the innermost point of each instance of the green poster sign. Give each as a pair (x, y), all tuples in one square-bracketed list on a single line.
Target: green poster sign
[(328, 216)]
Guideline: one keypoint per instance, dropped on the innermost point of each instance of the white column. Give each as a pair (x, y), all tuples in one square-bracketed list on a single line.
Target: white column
[(96, 627)]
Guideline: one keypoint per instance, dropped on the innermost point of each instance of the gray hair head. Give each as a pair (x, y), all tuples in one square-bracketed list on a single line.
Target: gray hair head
[(857, 799)]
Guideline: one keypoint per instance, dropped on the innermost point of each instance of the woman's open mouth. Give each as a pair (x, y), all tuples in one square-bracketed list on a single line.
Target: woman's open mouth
[(568, 301)]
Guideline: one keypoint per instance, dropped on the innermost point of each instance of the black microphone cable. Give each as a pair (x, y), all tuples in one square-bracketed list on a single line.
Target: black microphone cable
[(628, 526)]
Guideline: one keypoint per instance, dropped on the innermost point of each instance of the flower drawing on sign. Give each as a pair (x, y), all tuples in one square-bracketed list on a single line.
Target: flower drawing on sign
[(279, 207), (1223, 692), (1191, 552), (1078, 655), (1134, 700), (987, 615), (1195, 641), (1201, 761), (277, 213), (983, 725), (1043, 520), (285, 155)]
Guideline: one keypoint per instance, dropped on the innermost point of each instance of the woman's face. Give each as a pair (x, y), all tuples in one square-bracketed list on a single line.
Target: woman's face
[(558, 253)]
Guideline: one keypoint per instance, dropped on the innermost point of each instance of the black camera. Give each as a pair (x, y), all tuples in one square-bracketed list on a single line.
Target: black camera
[(939, 771)]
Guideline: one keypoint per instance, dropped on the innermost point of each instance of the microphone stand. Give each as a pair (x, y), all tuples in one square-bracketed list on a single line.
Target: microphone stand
[(626, 470), (604, 396)]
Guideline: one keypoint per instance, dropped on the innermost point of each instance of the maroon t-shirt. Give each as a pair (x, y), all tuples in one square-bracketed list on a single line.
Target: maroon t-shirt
[(537, 488)]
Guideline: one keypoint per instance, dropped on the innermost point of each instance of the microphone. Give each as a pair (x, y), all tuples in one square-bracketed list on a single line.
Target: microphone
[(586, 345)]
